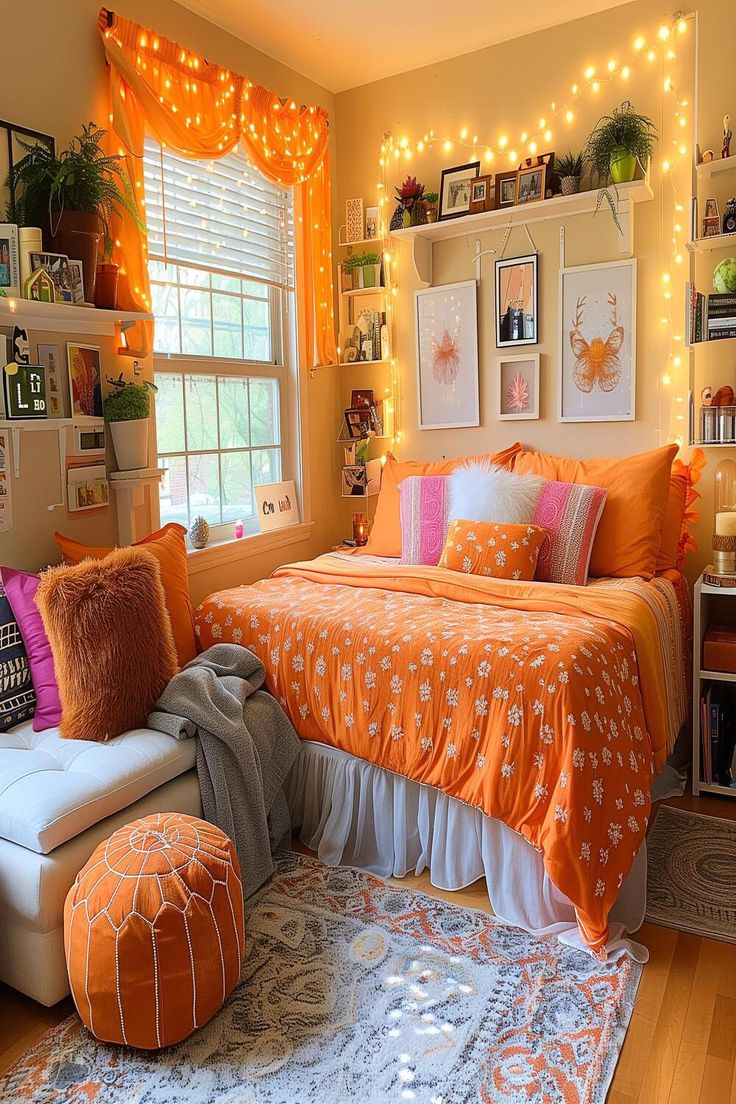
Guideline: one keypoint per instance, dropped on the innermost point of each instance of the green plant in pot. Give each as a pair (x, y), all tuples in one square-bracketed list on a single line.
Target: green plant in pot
[(619, 143), (127, 409), (347, 270), (569, 172), (432, 199), (368, 270), (73, 197)]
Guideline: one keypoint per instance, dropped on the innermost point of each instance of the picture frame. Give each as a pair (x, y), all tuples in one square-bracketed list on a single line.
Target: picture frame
[(50, 356), (56, 265), (85, 379), (24, 389), (446, 332), (9, 262), (517, 390), (481, 194), (362, 398), (371, 222), (11, 152), (517, 301), (359, 422), (505, 189), (76, 269), (354, 226), (598, 301), (455, 190), (531, 184)]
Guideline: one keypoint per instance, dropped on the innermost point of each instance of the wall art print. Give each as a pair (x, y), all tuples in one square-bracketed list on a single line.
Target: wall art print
[(447, 356)]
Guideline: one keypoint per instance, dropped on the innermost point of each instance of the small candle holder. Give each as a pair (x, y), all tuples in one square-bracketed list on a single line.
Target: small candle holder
[(724, 554), (360, 529)]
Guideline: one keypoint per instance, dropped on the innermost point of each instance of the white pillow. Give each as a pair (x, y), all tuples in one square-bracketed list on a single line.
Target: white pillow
[(481, 492)]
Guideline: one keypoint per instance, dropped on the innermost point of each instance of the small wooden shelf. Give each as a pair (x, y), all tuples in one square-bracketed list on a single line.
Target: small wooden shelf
[(361, 363), (707, 245), (66, 317), (361, 241), (717, 165), (378, 289)]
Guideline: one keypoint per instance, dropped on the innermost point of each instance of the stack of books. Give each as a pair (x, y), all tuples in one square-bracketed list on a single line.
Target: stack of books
[(718, 736), (709, 317)]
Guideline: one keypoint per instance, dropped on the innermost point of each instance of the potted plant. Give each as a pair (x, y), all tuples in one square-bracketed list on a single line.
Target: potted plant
[(348, 269), (409, 195), (74, 196), (126, 410), (432, 199), (369, 270), (619, 142), (108, 275), (569, 170)]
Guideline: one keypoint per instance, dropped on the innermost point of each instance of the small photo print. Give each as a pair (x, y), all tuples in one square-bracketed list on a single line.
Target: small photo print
[(5, 280), (85, 379), (58, 268)]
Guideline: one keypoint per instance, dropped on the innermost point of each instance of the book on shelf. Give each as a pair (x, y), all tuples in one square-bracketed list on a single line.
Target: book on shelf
[(718, 735), (709, 317)]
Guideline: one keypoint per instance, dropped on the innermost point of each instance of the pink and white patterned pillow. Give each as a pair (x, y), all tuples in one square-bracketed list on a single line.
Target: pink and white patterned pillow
[(425, 505), (570, 513)]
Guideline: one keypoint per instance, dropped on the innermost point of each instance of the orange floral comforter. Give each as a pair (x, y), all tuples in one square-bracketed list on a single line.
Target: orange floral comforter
[(544, 706)]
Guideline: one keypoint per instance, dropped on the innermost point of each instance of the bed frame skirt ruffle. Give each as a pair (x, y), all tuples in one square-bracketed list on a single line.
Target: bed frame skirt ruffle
[(353, 813)]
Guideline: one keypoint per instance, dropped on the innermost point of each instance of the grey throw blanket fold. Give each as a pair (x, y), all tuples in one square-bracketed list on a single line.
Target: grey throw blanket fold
[(246, 746)]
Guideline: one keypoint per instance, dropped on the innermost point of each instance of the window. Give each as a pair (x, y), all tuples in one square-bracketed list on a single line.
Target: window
[(221, 258)]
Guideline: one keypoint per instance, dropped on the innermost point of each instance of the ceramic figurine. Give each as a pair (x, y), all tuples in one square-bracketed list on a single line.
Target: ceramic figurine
[(708, 156), (706, 396), (727, 136), (199, 533)]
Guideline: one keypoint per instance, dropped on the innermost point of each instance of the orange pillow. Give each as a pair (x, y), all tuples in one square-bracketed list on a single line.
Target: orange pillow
[(630, 531), (111, 640), (168, 546), (669, 551), (385, 536), (493, 549)]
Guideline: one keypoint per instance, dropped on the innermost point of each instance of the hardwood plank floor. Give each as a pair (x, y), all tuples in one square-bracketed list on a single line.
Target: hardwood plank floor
[(681, 1043)]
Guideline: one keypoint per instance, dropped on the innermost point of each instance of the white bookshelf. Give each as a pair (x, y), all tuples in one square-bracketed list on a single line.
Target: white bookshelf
[(712, 605)]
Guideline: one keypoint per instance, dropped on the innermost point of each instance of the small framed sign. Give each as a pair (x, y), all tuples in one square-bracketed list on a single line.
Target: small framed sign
[(277, 506), (25, 391)]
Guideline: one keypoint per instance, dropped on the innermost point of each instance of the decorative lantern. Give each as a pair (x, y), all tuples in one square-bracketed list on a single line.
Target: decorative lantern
[(360, 529), (724, 501)]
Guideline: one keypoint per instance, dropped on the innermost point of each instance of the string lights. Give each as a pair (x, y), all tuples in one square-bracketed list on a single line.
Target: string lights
[(658, 49)]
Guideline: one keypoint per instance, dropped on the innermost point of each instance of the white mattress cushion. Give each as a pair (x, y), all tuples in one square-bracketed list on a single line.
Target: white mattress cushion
[(53, 789)]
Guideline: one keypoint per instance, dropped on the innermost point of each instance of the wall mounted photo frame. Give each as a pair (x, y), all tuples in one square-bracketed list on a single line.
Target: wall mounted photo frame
[(50, 357), (447, 356), (517, 301), (85, 379), (517, 387), (598, 342), (354, 227), (455, 190), (11, 153)]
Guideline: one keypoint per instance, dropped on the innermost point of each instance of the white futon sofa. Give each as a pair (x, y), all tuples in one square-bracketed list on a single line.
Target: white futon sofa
[(58, 799)]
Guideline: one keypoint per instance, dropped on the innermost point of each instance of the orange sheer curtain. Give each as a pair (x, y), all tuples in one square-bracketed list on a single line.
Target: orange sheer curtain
[(201, 110)]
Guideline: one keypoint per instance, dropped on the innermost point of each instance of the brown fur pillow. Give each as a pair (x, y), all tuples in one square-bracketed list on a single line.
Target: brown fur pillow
[(111, 638)]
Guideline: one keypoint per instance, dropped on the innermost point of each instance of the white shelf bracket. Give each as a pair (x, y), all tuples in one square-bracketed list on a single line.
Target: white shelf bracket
[(562, 248), (62, 471), (15, 434)]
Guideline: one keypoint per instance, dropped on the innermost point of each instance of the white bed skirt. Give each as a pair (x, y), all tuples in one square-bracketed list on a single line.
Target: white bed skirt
[(357, 814)]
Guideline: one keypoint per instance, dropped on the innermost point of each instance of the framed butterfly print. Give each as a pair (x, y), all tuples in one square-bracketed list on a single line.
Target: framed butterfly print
[(447, 356), (598, 342)]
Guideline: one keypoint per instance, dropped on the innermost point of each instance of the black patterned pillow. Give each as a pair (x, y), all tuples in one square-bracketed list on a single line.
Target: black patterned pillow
[(17, 697)]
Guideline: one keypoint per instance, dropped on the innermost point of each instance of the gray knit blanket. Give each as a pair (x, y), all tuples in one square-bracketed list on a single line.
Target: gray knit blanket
[(246, 746)]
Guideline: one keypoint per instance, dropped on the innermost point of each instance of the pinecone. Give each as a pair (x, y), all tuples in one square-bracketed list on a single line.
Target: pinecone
[(397, 219), (199, 533)]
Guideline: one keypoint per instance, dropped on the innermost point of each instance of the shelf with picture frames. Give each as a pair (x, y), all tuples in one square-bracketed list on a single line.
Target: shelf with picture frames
[(66, 317), (422, 238)]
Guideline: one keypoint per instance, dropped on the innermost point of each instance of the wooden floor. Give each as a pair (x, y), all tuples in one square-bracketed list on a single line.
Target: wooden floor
[(681, 1043)]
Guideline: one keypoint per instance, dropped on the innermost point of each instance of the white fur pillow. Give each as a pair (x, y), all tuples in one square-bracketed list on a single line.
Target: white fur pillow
[(481, 492)]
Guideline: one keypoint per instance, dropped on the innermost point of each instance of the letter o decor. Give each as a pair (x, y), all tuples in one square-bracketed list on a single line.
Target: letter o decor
[(153, 931)]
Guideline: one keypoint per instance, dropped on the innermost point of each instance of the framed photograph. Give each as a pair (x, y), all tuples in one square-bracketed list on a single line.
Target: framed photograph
[(455, 190), (25, 391), (85, 379), (354, 481), (371, 222), (518, 387), (14, 146), (359, 422), (481, 194), (505, 189), (530, 184), (9, 265), (598, 335), (50, 357), (354, 229), (447, 356), (56, 265), (711, 209), (517, 301), (76, 270), (361, 398)]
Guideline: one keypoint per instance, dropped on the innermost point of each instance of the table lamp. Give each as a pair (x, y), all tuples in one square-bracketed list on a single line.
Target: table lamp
[(724, 503)]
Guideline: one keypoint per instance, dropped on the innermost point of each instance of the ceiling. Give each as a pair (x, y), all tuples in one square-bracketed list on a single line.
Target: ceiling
[(341, 44)]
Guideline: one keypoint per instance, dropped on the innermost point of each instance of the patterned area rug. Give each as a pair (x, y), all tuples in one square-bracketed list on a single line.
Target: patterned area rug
[(357, 989), (691, 878)]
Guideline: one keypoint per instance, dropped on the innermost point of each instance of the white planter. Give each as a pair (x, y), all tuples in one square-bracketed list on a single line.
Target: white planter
[(131, 443)]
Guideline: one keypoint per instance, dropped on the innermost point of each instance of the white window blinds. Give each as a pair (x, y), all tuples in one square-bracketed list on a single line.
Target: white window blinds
[(220, 215)]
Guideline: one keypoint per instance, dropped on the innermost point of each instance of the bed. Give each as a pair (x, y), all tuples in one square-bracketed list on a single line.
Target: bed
[(475, 726)]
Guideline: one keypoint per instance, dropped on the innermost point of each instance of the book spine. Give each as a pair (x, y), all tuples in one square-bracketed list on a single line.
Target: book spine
[(718, 335)]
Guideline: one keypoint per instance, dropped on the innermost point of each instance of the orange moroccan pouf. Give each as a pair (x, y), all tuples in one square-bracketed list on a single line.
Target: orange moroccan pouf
[(153, 931)]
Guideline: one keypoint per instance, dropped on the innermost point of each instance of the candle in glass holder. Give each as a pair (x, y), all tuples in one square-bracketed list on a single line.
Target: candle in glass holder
[(726, 523), (360, 529)]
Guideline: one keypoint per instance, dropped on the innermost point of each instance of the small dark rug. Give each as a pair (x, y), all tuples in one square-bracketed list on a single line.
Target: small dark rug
[(692, 873)]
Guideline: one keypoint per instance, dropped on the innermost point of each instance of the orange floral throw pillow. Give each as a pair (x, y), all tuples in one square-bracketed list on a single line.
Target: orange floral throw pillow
[(493, 549)]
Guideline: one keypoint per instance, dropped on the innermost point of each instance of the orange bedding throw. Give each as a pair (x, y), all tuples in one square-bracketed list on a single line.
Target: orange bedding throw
[(544, 706)]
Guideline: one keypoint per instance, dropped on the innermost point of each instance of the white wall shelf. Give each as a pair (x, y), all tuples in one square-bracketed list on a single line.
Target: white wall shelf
[(66, 317), (718, 165), (422, 238), (707, 245), (711, 605)]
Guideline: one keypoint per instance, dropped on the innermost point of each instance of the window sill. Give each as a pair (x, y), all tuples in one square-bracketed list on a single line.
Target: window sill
[(222, 552)]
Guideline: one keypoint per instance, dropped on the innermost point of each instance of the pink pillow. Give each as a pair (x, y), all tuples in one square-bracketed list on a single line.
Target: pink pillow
[(425, 504), (570, 513), (20, 590)]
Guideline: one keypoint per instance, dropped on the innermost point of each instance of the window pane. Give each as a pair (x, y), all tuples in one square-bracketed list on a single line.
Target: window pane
[(196, 323), (174, 490), (237, 494), (194, 276), (233, 412), (226, 283), (256, 330), (165, 309), (258, 291), (170, 413), (264, 412), (228, 325), (201, 398), (266, 466), (204, 488)]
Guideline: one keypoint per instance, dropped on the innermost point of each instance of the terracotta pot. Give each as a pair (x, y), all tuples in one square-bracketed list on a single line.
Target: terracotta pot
[(78, 233), (106, 290)]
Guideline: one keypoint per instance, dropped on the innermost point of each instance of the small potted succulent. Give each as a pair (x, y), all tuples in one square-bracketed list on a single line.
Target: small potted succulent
[(367, 271), (348, 269), (127, 409), (619, 143), (569, 171), (432, 199)]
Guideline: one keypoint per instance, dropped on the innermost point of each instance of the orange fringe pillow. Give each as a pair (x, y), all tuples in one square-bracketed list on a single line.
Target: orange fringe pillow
[(112, 643), (493, 549)]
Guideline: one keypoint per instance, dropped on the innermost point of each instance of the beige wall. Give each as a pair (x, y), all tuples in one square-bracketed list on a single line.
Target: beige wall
[(499, 90), (62, 38)]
